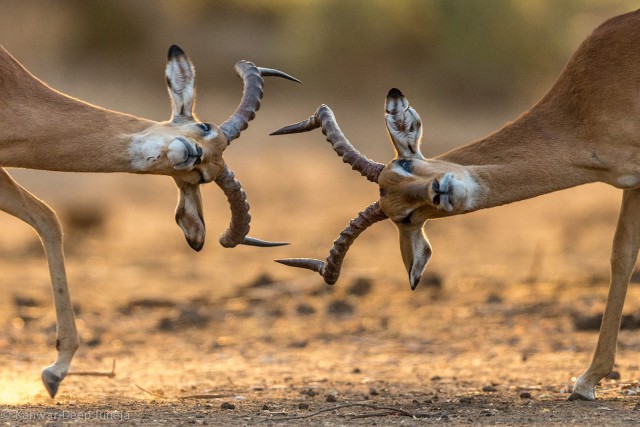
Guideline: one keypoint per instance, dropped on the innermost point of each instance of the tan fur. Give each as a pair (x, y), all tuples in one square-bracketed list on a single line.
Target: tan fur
[(45, 129), (586, 129), (41, 128)]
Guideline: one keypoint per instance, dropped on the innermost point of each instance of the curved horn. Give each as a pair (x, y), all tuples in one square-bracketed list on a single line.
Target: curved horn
[(250, 103), (324, 118), (330, 268), (238, 229)]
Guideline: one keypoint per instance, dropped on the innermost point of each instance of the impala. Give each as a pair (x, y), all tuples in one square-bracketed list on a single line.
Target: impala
[(585, 129), (45, 129)]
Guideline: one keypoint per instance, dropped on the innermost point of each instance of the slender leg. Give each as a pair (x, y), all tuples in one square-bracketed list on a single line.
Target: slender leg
[(18, 202), (623, 258)]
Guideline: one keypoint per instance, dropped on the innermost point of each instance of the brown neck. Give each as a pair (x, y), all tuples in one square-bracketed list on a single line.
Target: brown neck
[(585, 129), (527, 158), (45, 129)]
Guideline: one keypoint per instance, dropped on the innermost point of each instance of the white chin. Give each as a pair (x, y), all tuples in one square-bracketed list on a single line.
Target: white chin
[(446, 205)]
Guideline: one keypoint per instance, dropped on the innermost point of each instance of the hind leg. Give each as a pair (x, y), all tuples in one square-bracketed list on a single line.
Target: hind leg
[(623, 258), (18, 202)]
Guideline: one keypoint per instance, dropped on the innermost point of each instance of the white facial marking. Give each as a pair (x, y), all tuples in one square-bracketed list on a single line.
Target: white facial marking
[(145, 151), (628, 181), (471, 188), (400, 170), (211, 135)]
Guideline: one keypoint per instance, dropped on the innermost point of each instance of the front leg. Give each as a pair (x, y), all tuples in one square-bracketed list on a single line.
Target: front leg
[(623, 259), (18, 202)]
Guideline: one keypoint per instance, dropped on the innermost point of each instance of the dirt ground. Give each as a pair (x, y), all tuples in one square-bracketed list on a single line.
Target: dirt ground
[(503, 321)]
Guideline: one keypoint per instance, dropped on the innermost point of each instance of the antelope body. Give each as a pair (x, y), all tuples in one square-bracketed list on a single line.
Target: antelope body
[(41, 128), (585, 129)]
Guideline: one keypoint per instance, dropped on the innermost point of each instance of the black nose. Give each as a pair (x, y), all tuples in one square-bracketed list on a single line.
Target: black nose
[(194, 151)]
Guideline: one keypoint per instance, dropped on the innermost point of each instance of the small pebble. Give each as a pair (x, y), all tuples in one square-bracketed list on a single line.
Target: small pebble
[(298, 344), (310, 392), (305, 309), (489, 389), (525, 395), (332, 396), (228, 405), (360, 287), (614, 375), (494, 299), (373, 391), (340, 308), (430, 280), (303, 405)]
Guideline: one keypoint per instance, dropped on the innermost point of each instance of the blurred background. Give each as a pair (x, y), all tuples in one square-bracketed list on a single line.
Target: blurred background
[(466, 66)]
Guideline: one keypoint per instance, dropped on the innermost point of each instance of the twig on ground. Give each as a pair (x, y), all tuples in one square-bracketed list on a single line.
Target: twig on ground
[(536, 264), (231, 382), (391, 410), (150, 392), (206, 396), (372, 415), (96, 373)]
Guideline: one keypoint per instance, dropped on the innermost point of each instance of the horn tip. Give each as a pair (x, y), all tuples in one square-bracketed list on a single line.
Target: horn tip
[(286, 130), (308, 263), (277, 132), (269, 72), (251, 241)]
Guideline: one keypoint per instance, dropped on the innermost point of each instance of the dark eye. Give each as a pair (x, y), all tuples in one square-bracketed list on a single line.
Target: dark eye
[(405, 164), (206, 127)]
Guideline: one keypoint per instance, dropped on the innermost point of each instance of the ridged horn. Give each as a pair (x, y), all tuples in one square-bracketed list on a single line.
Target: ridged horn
[(251, 95), (238, 229), (330, 268), (324, 118)]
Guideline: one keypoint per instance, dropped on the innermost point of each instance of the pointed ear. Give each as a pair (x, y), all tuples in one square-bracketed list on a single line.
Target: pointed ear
[(189, 214), (415, 250), (404, 126), (181, 79)]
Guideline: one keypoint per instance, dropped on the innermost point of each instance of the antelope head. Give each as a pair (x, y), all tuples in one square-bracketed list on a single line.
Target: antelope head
[(412, 188), (191, 150)]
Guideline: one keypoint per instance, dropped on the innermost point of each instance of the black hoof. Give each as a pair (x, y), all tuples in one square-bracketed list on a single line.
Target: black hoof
[(51, 382), (578, 396)]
